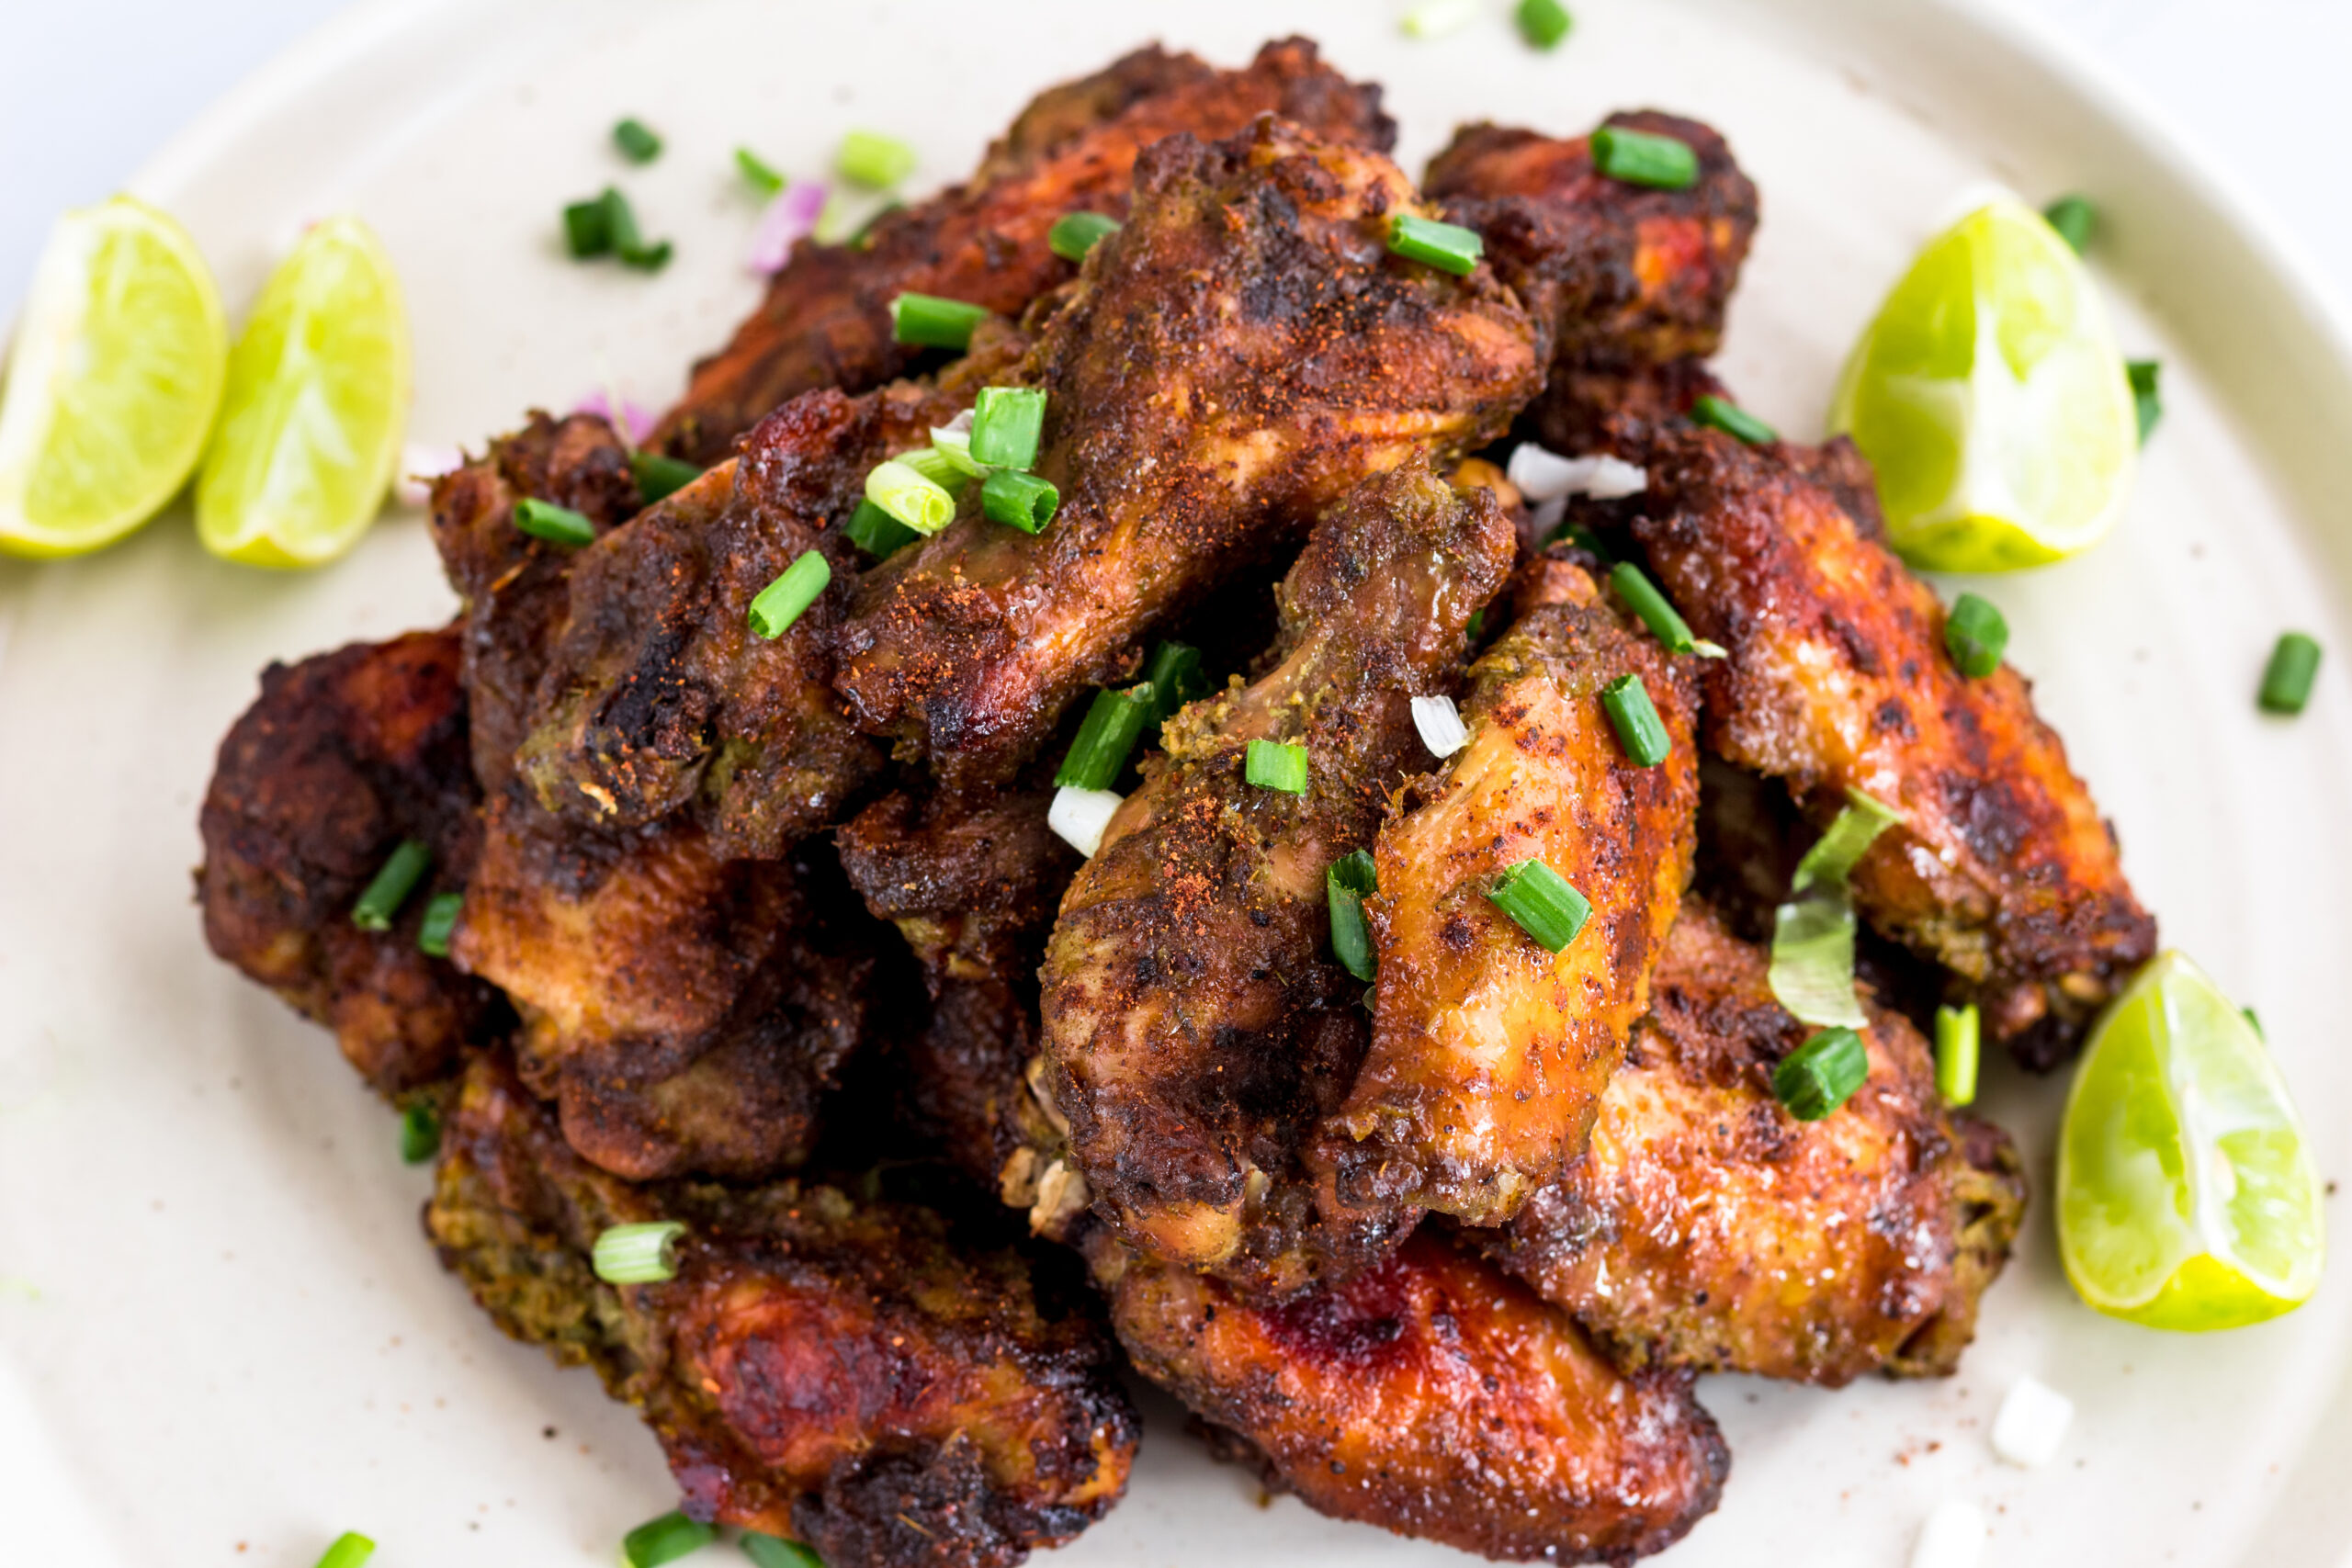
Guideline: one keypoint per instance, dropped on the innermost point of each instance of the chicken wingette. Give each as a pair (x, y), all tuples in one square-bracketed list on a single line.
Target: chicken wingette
[(2001, 868), (1231, 363), (1705, 1227), (1433, 1395), (826, 320), (1489, 1053), (854, 1374)]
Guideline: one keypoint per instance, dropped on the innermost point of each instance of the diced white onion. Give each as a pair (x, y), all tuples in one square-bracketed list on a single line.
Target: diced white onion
[(420, 466), (1440, 723), (2032, 1423), (1548, 515), (1954, 1537), (1543, 475), (1080, 815)]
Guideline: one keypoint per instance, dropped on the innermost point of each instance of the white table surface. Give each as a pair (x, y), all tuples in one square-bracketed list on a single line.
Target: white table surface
[(90, 89)]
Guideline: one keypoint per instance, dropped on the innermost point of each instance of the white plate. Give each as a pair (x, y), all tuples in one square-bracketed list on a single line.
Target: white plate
[(222, 1339)]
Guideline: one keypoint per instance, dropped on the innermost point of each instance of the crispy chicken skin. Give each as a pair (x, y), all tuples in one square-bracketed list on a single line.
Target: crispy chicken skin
[(826, 319), (1705, 1227), (1433, 1395), (341, 758), (1229, 365), (1490, 1054), (2002, 869), (513, 585), (847, 1373), (1198, 1029), (659, 696)]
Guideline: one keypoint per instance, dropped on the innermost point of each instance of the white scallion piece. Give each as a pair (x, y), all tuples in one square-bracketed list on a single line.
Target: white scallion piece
[(1080, 815), (1541, 474), (1954, 1537), (1440, 723), (2032, 1423), (1548, 515), (420, 466), (1435, 18)]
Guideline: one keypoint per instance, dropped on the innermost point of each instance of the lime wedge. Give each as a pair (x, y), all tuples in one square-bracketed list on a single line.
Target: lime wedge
[(2187, 1197), (112, 382), (317, 392), (1990, 396)]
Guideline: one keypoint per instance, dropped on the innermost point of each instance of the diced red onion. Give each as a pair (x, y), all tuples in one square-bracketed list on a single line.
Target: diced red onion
[(419, 465), (635, 421), (792, 215)]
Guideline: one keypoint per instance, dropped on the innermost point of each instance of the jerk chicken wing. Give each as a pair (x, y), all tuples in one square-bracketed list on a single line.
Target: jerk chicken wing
[(1705, 1227), (1197, 1029), (1231, 363), (1488, 1054), (826, 320), (1433, 1395), (2001, 869), (849, 1374)]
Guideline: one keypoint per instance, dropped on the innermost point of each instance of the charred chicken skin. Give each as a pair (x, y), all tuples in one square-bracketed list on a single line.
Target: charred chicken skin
[(2001, 869), (1231, 363), (1489, 1054), (1705, 1227), (1198, 1029), (1433, 1395), (846, 1373), (826, 320)]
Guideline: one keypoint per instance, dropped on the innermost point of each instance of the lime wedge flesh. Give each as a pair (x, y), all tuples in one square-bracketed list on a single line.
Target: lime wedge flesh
[(2187, 1197), (318, 393), (112, 382), (1990, 396)]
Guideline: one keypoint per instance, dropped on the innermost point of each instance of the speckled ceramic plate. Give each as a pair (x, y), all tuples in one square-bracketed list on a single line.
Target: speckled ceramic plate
[(223, 1339)]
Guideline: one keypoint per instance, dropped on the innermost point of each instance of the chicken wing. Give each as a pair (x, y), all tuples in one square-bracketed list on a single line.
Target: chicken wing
[(2001, 869), (1433, 1395), (1489, 1054), (343, 757), (1197, 1029), (1705, 1227), (826, 320), (853, 1374), (1230, 364)]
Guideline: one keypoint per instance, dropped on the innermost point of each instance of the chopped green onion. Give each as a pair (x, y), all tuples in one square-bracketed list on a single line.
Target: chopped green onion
[(927, 321), (1634, 717), (1639, 158), (2146, 403), (1541, 903), (1349, 881), (756, 171), (1449, 247), (1176, 677), (420, 1133), (1006, 425), (441, 913), (1732, 420), (641, 1253), (2293, 667), (1835, 854), (1957, 1034), (1643, 597), (1075, 233), (869, 158), (1275, 765), (401, 871), (350, 1550), (636, 141), (1975, 634), (1477, 627), (775, 1552), (878, 533), (1585, 539), (1435, 18), (1018, 499), (1543, 23), (906, 494), (658, 476), (1812, 971), (1104, 737), (2254, 1019), (1081, 817), (1822, 1074), (556, 525), (607, 226), (587, 229), (862, 239), (945, 469), (664, 1540), (2074, 219), (647, 258), (781, 602)]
